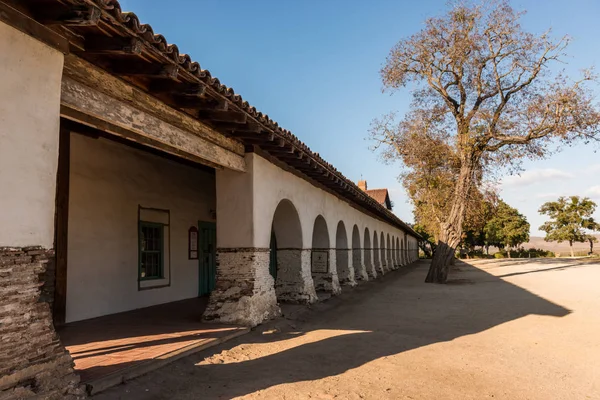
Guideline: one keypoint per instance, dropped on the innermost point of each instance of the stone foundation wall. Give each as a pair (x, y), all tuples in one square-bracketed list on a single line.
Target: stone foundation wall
[(294, 281), (33, 362), (360, 270), (370, 263), (345, 267), (327, 282), (244, 292)]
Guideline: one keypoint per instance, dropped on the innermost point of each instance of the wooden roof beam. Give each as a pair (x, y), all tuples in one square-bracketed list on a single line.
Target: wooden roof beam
[(112, 45), (84, 15), (234, 117), (181, 89), (142, 68)]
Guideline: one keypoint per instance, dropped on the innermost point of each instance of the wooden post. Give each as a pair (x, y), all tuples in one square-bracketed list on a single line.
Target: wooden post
[(61, 228)]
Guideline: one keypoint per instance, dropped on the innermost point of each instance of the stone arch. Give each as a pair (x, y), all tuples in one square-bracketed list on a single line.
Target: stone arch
[(398, 258), (389, 253), (343, 263), (384, 265), (323, 261), (358, 263), (376, 253), (368, 254), (293, 282), (405, 250), (393, 250)]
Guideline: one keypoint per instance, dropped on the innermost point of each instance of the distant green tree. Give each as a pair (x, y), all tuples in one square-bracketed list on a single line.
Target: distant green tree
[(570, 219), (428, 242), (591, 225), (507, 228)]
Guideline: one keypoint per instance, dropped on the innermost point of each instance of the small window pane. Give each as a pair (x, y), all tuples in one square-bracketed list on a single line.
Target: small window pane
[(151, 251)]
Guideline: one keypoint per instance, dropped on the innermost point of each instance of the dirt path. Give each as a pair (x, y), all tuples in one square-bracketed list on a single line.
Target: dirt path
[(506, 330)]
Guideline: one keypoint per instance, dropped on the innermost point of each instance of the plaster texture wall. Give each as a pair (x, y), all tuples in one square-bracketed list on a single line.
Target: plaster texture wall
[(29, 129), (108, 181), (273, 184)]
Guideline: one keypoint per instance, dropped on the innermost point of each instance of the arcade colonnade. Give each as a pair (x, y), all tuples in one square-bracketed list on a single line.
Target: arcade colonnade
[(282, 239)]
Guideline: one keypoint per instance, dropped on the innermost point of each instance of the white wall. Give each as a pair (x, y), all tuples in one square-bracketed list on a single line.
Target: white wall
[(272, 184), (108, 182), (30, 76)]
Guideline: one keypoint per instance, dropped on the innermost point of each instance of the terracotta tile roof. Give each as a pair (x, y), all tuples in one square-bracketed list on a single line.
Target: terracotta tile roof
[(128, 24), (380, 195)]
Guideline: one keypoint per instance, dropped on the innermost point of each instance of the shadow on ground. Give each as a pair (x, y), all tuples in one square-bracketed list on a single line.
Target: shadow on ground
[(377, 319)]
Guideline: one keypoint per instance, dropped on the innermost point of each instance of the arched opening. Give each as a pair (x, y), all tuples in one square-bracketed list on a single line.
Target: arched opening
[(376, 253), (384, 266), (286, 259), (368, 254), (398, 257), (389, 253), (393, 250), (357, 258), (342, 260), (323, 259), (405, 250)]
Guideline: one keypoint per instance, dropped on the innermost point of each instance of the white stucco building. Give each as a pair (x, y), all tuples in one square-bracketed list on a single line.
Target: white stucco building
[(131, 177)]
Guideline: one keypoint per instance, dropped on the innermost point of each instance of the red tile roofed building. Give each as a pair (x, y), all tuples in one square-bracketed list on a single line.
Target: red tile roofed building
[(382, 196)]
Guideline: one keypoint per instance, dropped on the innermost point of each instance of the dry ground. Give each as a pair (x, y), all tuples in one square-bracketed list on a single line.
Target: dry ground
[(506, 329)]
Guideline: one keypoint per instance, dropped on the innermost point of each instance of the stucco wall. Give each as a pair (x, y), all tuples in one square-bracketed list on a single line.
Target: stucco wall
[(273, 184), (108, 182), (29, 124)]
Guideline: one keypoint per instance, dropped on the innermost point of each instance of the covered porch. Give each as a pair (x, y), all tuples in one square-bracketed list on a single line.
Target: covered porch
[(111, 349)]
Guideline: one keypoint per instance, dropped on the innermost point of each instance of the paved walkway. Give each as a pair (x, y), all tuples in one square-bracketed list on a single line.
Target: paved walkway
[(113, 348), (524, 329)]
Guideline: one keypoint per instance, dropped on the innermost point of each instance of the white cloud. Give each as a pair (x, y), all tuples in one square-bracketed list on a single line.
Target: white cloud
[(593, 169), (593, 192), (536, 176)]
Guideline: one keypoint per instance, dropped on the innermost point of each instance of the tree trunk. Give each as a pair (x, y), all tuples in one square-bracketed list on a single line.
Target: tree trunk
[(487, 250), (508, 251), (571, 245), (451, 228), (591, 247)]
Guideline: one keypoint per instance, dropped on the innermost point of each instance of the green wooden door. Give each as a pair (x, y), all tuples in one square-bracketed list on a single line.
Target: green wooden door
[(273, 256), (207, 244)]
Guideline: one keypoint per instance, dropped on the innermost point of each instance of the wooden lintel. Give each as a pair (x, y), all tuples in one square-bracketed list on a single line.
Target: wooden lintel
[(143, 68), (84, 15), (224, 116), (90, 107), (31, 27), (113, 45)]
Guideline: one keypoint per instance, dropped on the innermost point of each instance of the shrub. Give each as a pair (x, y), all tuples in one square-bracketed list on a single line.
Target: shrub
[(499, 255)]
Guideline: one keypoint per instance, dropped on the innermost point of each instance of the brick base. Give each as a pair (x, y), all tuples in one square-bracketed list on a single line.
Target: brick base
[(33, 362), (328, 282), (244, 292)]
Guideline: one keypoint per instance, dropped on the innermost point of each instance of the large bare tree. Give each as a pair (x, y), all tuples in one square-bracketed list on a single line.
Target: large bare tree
[(486, 94)]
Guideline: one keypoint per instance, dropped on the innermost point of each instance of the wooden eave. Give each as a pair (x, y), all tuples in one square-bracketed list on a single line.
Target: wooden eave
[(99, 32)]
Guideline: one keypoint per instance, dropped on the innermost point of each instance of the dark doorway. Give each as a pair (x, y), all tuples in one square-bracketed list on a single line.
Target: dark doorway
[(207, 238), (273, 256)]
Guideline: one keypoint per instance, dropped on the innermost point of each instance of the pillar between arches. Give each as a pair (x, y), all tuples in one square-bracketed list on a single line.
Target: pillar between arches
[(345, 267), (244, 292), (326, 281)]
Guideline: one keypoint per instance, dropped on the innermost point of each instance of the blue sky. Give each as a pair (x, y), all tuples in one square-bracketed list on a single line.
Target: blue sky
[(313, 66)]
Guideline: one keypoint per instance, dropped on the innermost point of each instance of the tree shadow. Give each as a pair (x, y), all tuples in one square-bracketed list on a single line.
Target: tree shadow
[(377, 319)]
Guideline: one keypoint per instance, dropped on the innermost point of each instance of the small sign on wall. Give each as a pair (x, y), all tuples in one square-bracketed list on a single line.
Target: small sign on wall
[(319, 261), (193, 243)]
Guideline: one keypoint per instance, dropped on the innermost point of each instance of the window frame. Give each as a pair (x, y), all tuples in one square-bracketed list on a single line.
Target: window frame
[(141, 225)]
